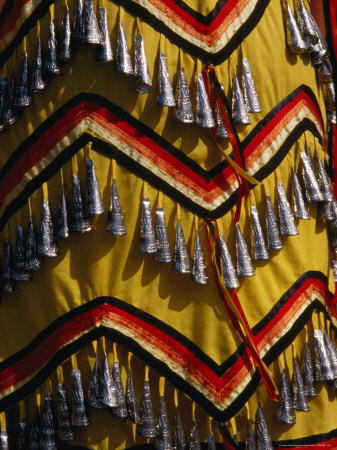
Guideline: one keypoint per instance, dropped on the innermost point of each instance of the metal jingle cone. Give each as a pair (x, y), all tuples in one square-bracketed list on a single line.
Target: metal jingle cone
[(3, 88), (47, 242), (249, 90), (203, 112), (148, 242), (164, 438), (142, 74), (250, 439), (37, 84), (287, 222), (319, 51), (78, 23), (260, 251), (299, 398), (80, 418), (331, 118), (329, 95), (181, 262), (318, 371), (65, 47), (178, 436), (121, 410), (294, 37), (312, 189), (8, 281), (147, 426), (163, 253), (184, 110), (35, 433), (229, 272), (198, 268), (79, 220), (48, 429), (91, 32), (20, 266), (324, 183), (65, 433), (324, 72), (323, 361), (334, 269), (4, 440), (123, 58), (108, 393), (300, 209), (194, 443), (32, 257), (104, 51), (9, 116), (244, 265), (263, 439), (221, 131), (328, 211), (95, 387), (308, 374), (239, 107), (51, 64), (115, 222), (166, 96), (332, 352), (21, 435), (286, 409), (131, 401), (62, 225), (211, 442), (305, 24), (95, 203), (22, 97)]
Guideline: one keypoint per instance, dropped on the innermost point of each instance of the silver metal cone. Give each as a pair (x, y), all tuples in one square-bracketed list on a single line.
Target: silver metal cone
[(312, 189), (319, 51), (21, 435), (203, 112), (47, 241), (198, 268), (108, 394), (121, 410), (37, 81), (324, 183), (305, 24), (286, 409), (8, 282), (211, 442), (324, 72), (325, 366), (250, 439), (331, 118), (249, 90), (333, 238), (166, 96), (164, 438), (123, 58), (148, 242), (163, 253), (3, 88), (22, 97), (239, 107), (65, 433), (329, 95), (300, 209), (65, 48), (299, 398), (48, 432), (287, 222), (115, 221), (95, 203), (244, 265), (294, 37), (308, 374), (259, 251), (318, 371), (50, 62), (62, 226), (178, 436), (181, 262), (80, 419), (32, 257), (95, 387), (229, 272), (221, 131), (4, 440), (147, 426), (91, 33), (78, 23), (334, 269), (20, 266), (131, 401), (263, 439), (194, 443), (328, 211), (142, 74), (79, 220), (35, 433), (9, 116), (184, 110), (332, 353), (104, 51)]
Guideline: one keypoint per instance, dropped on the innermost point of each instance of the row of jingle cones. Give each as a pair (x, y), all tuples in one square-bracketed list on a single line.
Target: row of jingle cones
[(16, 92)]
